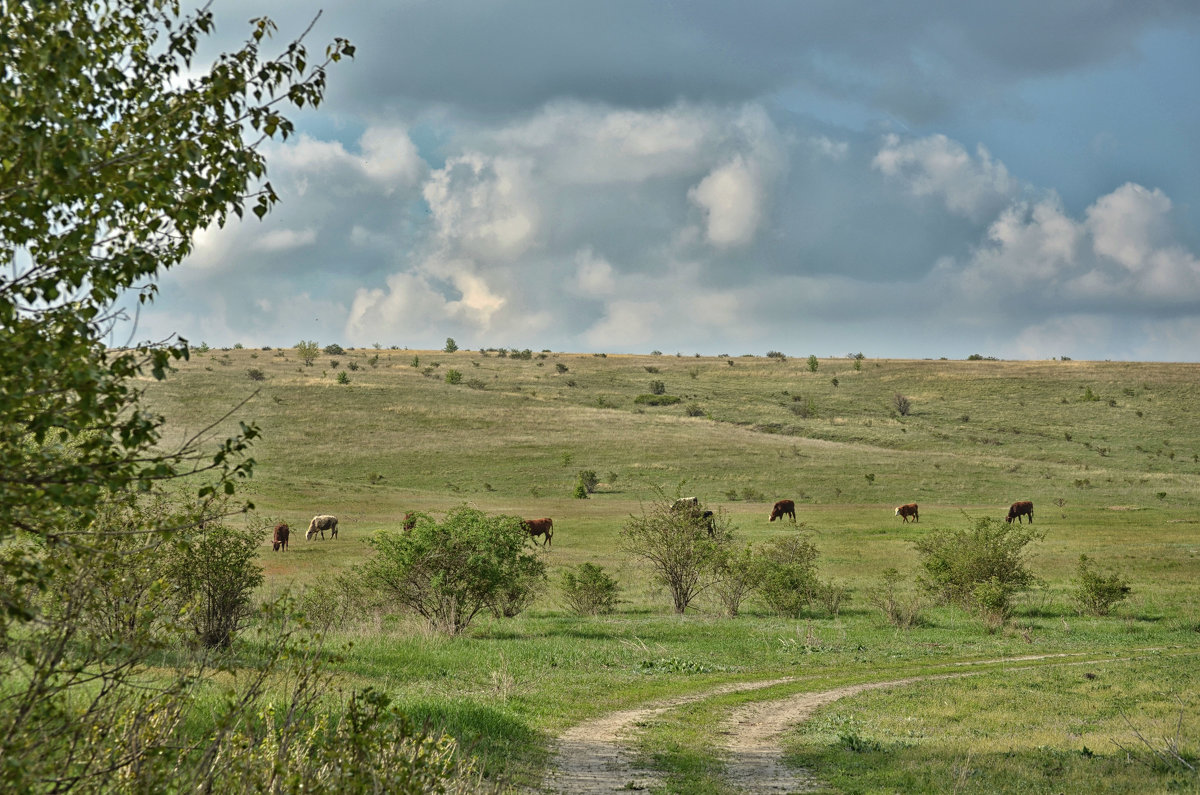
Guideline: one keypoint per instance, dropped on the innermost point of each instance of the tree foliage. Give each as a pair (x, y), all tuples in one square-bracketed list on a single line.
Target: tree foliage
[(980, 568), (114, 153), (682, 546), (448, 571)]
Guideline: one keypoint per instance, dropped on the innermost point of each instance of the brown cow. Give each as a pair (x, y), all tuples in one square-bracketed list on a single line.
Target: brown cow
[(279, 538), (410, 521), (1019, 509), (783, 508), (540, 527), (905, 511)]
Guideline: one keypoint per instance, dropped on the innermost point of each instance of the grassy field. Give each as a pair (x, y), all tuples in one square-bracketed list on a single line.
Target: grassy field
[(1108, 452)]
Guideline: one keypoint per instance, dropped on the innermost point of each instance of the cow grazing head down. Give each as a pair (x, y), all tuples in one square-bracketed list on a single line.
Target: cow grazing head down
[(320, 524), (783, 508), (1019, 509), (279, 538), (540, 527), (908, 511)]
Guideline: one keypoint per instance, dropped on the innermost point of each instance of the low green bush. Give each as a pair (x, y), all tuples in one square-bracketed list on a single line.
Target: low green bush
[(588, 590), (1096, 593), (657, 400)]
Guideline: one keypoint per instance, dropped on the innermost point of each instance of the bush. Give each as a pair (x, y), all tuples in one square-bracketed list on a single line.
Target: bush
[(694, 410), (657, 400), (903, 405), (682, 547), (1095, 593), (738, 574), (449, 571), (256, 374), (658, 388), (978, 569), (902, 609), (588, 590), (454, 377), (789, 575), (560, 367), (334, 350), (451, 346), (308, 351), (214, 573), (343, 377), (813, 364), (590, 480)]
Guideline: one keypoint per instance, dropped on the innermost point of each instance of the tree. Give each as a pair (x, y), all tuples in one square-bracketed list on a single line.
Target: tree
[(788, 579), (451, 345), (979, 569), (813, 363), (449, 571), (113, 158), (214, 574), (681, 544), (308, 351)]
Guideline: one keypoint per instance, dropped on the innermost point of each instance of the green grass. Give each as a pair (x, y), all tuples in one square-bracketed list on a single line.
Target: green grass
[(1116, 477)]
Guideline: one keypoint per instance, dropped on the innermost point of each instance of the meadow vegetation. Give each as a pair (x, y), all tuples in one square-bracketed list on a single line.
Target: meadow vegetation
[(870, 598)]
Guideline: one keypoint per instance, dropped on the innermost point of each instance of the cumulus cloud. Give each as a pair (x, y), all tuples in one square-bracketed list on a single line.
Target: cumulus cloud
[(285, 239), (482, 205), (936, 166), (731, 197)]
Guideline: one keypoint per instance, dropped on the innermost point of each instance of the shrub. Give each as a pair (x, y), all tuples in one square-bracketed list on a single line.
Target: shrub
[(902, 609), (789, 574), (580, 492), (256, 374), (979, 569), (454, 377), (334, 350), (343, 377), (589, 479), (738, 574), (560, 367), (1096, 593), (681, 547), (352, 365), (813, 363), (214, 573), (308, 351), (657, 400), (652, 369), (451, 346), (903, 405), (658, 388), (448, 572), (776, 355), (588, 590), (694, 410)]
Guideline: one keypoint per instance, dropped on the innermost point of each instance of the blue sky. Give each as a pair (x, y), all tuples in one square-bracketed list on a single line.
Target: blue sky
[(918, 180)]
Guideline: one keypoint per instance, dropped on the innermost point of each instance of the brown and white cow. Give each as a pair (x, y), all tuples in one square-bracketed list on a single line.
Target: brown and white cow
[(783, 508), (906, 511), (1019, 509), (279, 537), (320, 524), (540, 527)]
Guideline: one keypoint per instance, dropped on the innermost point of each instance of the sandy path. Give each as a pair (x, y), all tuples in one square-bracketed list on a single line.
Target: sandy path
[(591, 757), (756, 761)]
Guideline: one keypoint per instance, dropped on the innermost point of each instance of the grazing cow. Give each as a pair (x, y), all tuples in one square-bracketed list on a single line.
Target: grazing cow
[(540, 527), (1019, 509), (905, 511), (410, 521), (320, 524), (783, 508), (279, 538)]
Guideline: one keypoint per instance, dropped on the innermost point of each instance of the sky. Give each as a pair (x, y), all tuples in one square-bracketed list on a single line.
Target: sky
[(904, 180)]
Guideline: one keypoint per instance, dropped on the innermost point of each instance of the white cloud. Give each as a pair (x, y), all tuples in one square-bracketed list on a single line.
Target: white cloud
[(937, 166), (389, 156), (593, 275), (732, 199), (285, 239), (482, 206), (1128, 224)]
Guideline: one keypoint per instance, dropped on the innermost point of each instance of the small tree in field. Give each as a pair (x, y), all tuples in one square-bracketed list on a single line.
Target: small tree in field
[(448, 571), (979, 569), (1096, 593), (215, 572), (738, 574), (682, 547), (813, 363), (903, 405), (788, 581), (451, 345), (308, 351), (589, 590)]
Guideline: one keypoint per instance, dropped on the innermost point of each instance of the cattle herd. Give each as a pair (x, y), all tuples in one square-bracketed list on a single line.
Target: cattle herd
[(544, 528)]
